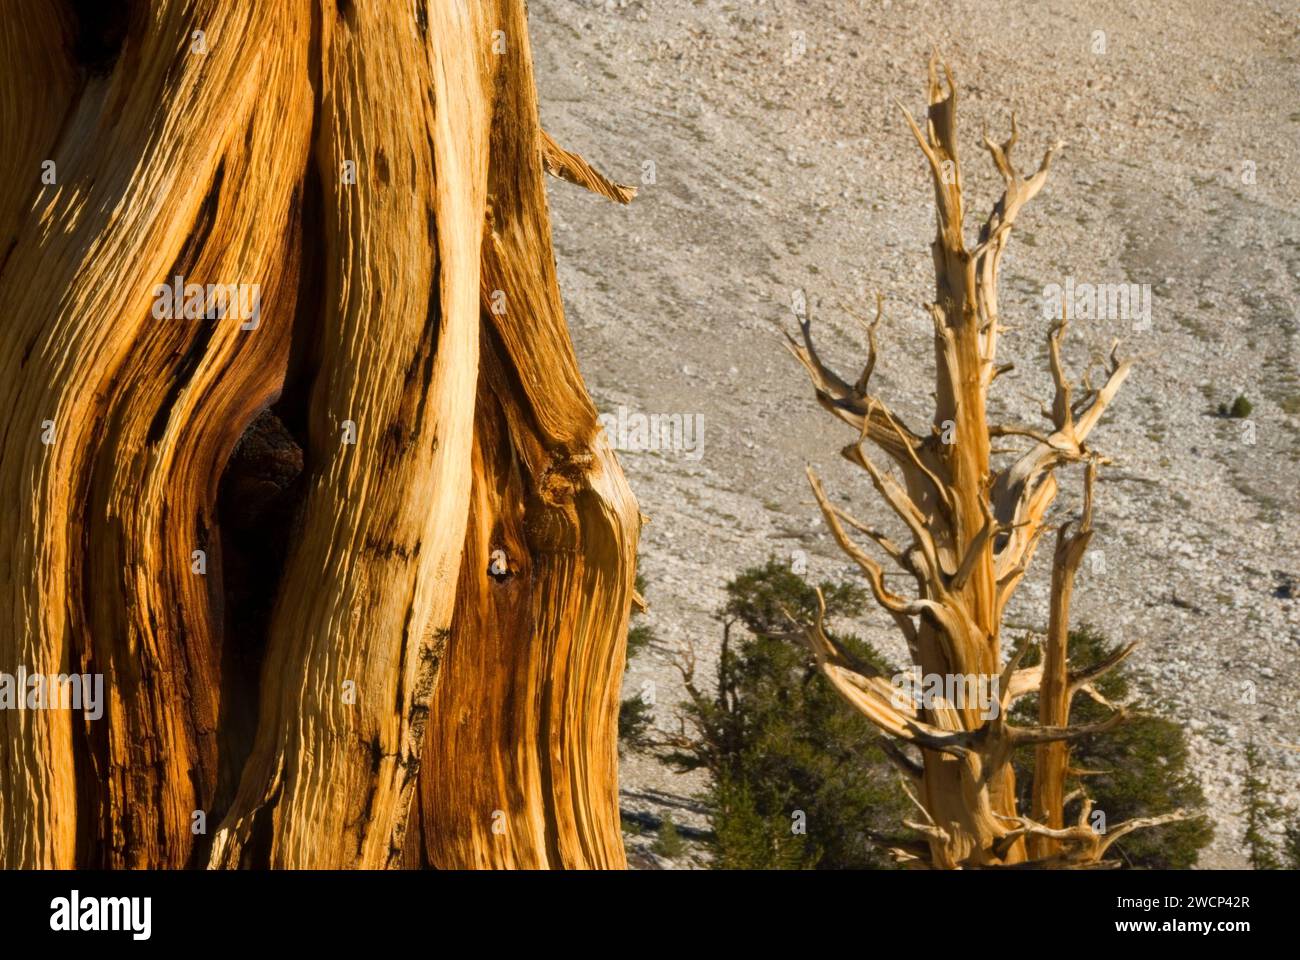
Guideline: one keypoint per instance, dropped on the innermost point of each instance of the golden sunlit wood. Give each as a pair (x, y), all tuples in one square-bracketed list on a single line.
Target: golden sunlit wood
[(428, 670), (974, 529)]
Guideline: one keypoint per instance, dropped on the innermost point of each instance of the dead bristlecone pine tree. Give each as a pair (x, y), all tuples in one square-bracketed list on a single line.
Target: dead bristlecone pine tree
[(297, 461), (975, 516)]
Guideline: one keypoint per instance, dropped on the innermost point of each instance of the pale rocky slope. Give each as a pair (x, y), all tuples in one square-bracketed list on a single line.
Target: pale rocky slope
[(775, 173)]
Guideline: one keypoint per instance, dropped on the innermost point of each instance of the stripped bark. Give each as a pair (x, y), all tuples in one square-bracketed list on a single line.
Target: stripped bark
[(376, 171), (974, 527)]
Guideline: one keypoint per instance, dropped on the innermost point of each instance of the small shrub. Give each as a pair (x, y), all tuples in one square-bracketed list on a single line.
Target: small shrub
[(669, 843), (1291, 845), (635, 716), (1260, 811), (638, 638), (634, 719), (776, 738)]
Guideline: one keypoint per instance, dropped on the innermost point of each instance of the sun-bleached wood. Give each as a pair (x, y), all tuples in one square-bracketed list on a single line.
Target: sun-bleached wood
[(415, 299), (974, 529)]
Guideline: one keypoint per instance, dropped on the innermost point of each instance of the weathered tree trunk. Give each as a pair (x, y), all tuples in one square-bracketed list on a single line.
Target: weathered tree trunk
[(401, 599), (974, 527), (1051, 759)]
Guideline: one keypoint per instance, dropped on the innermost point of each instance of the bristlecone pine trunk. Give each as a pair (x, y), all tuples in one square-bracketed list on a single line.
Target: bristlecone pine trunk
[(343, 538), (974, 528)]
